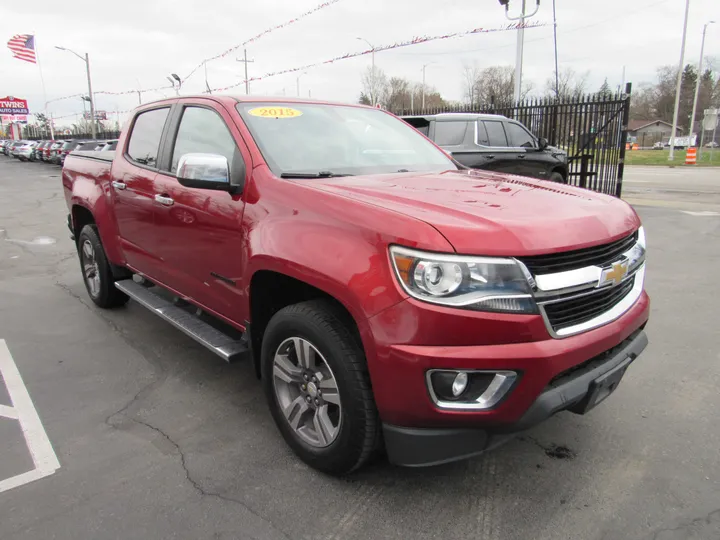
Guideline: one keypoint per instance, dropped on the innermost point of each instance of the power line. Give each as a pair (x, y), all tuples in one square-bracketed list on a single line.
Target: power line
[(623, 14)]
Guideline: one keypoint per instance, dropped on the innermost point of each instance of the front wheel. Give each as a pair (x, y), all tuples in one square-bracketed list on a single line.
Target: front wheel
[(97, 274), (317, 385), (557, 177)]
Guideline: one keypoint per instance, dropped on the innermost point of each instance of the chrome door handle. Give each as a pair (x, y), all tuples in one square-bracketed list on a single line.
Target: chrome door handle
[(118, 185), (166, 201), (521, 156), (486, 156)]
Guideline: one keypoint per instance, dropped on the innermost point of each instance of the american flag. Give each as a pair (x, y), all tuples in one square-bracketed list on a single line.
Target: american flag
[(23, 47)]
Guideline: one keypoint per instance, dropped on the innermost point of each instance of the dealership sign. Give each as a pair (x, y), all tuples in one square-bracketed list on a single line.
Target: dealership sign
[(13, 105)]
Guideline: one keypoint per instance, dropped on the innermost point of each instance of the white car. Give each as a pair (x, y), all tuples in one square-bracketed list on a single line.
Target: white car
[(26, 151), (712, 144)]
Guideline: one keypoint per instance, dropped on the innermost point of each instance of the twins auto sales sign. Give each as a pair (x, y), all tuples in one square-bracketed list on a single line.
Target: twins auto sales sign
[(13, 105)]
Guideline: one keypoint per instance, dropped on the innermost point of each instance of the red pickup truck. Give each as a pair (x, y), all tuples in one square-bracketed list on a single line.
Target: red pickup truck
[(388, 297)]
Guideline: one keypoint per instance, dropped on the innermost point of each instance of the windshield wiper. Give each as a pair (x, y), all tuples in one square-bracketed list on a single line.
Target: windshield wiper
[(321, 174)]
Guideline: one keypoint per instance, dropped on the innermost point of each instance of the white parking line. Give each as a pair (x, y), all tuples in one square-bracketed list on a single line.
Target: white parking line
[(43, 455), (700, 214)]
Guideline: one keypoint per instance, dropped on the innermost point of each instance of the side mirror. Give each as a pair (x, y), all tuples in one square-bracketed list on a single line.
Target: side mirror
[(542, 143), (205, 171)]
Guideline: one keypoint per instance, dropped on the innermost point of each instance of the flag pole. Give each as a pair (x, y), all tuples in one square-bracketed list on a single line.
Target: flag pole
[(42, 80)]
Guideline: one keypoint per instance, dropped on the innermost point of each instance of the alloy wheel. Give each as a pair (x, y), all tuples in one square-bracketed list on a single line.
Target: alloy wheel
[(91, 270), (307, 392)]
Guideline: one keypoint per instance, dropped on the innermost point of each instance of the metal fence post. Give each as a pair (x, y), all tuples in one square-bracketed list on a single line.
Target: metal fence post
[(623, 140)]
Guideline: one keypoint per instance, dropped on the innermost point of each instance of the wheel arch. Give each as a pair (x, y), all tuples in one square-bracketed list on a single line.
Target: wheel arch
[(270, 291)]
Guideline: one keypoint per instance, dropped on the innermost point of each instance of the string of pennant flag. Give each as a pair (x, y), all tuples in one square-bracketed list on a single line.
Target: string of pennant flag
[(414, 41), (261, 35), (411, 42)]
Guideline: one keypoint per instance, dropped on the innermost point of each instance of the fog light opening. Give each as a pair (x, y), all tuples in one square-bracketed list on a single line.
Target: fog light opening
[(469, 389), (459, 384)]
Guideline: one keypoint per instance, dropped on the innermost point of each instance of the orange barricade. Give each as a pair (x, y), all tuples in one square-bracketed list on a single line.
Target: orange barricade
[(691, 156)]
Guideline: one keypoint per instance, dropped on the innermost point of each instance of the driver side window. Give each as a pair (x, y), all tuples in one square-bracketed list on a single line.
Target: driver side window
[(520, 136), (202, 131)]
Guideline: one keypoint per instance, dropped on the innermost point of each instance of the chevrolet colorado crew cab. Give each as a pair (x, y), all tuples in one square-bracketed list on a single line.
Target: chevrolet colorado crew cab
[(388, 297), (494, 143)]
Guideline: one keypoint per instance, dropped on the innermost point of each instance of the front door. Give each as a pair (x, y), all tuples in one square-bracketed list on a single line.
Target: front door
[(132, 189), (198, 232), (534, 162)]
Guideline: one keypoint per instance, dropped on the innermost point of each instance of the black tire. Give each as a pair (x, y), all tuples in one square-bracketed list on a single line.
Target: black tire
[(106, 295), (557, 177), (326, 327)]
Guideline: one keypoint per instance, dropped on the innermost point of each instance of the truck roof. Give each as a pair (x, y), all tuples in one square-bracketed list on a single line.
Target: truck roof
[(448, 117), (231, 100)]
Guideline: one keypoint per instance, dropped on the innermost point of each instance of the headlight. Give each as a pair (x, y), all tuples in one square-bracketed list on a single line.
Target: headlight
[(478, 283), (636, 255)]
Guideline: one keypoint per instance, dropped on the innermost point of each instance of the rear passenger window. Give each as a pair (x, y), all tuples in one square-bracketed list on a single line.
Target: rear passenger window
[(145, 137), (482, 136), (450, 133), (496, 133), (204, 131)]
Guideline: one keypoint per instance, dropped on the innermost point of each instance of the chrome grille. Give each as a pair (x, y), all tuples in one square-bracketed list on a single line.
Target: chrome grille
[(579, 258), (564, 313)]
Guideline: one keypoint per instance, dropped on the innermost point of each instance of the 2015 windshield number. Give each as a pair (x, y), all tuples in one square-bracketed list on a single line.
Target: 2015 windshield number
[(275, 112)]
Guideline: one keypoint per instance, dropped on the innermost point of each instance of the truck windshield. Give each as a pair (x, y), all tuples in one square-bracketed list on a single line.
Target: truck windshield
[(329, 140)]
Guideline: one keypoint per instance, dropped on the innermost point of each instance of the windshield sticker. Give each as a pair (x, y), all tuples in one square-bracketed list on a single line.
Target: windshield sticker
[(275, 112)]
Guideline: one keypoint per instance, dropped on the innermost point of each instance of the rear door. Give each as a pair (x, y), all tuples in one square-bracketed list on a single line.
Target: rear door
[(199, 231), (501, 157), (133, 196)]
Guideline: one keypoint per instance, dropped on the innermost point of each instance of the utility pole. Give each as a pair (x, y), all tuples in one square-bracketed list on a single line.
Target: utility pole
[(671, 157), (697, 84), (139, 91), (245, 61), (520, 42)]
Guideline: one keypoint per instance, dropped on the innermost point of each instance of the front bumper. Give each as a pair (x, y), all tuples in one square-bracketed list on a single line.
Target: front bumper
[(416, 447)]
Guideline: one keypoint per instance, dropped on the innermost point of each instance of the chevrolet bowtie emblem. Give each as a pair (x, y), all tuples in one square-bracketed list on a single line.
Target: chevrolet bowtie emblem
[(614, 275)]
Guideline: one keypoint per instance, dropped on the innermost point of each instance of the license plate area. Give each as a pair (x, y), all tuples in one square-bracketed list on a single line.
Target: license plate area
[(602, 387)]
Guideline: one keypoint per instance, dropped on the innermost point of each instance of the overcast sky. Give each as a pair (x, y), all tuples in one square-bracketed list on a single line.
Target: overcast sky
[(137, 43)]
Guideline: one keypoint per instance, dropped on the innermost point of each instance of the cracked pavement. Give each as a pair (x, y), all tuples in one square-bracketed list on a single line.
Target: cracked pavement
[(157, 438)]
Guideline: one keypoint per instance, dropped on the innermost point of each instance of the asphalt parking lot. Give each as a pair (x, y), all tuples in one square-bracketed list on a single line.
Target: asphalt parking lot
[(157, 438)]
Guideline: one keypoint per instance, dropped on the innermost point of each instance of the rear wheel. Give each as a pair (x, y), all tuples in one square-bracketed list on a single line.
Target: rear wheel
[(97, 274), (317, 385)]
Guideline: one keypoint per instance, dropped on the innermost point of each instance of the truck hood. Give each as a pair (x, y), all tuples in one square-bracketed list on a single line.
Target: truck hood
[(486, 213)]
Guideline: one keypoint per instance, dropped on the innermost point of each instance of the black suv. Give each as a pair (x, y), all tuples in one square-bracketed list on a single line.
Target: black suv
[(493, 142)]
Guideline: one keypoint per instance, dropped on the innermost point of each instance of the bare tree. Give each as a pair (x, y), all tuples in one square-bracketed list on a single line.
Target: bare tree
[(494, 84), (571, 84), (375, 85), (471, 74)]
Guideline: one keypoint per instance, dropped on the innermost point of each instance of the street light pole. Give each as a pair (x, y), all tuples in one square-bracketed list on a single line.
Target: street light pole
[(671, 157), (699, 77), (423, 85), (92, 100), (298, 82), (520, 42), (86, 59)]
